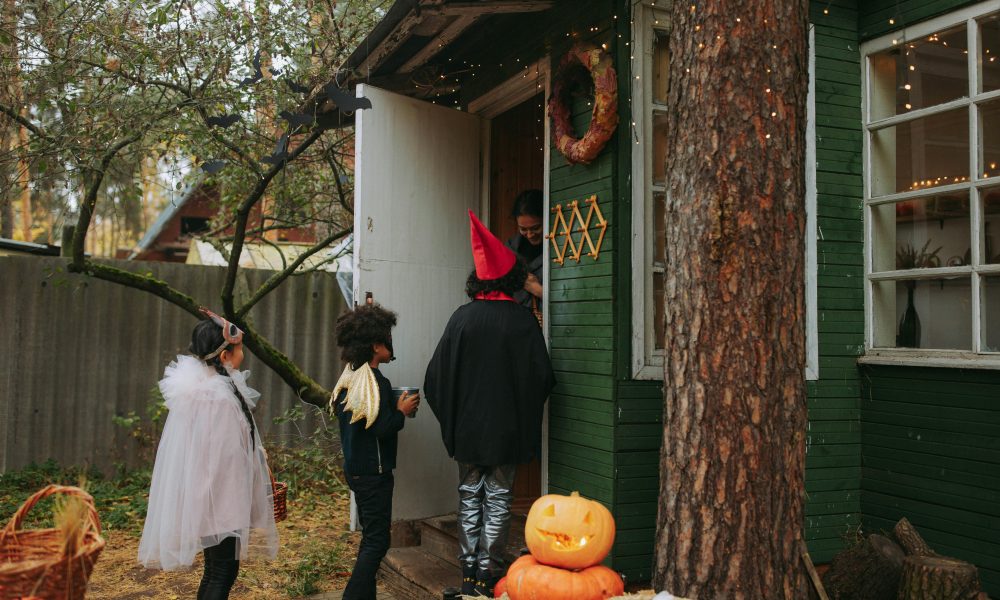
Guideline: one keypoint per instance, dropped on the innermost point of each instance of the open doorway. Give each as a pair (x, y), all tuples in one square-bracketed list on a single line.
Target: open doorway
[(516, 164)]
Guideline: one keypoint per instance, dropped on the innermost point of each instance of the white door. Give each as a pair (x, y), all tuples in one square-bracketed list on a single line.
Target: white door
[(417, 172)]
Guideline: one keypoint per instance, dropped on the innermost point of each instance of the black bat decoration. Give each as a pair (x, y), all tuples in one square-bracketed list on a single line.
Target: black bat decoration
[(329, 120), (298, 88), (223, 121), (346, 102), (213, 166), (297, 119), (280, 153), (257, 74)]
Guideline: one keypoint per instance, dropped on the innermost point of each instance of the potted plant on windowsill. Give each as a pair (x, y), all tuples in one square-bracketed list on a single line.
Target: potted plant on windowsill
[(907, 257)]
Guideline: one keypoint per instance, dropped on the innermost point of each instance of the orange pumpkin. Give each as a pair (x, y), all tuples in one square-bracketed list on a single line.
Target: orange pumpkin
[(500, 588), (527, 579), (569, 531)]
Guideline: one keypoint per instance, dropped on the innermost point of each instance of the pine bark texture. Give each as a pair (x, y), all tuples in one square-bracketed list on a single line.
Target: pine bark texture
[(938, 578), (733, 458), (910, 539), (868, 570)]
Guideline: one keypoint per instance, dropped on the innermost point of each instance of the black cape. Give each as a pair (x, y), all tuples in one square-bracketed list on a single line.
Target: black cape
[(487, 383)]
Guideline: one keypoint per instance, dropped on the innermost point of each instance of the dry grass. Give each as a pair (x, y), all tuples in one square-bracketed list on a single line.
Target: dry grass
[(316, 547)]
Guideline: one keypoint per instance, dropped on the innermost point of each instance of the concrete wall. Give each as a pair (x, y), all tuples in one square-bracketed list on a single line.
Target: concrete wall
[(76, 351)]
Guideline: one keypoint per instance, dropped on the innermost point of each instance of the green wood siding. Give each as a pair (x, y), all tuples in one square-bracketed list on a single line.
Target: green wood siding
[(931, 437), (931, 453), (875, 14), (833, 459)]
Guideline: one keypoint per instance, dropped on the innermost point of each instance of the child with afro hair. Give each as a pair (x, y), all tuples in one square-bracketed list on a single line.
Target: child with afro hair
[(370, 420)]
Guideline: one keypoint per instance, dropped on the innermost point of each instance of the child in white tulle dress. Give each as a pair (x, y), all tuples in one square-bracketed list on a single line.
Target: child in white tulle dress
[(210, 489)]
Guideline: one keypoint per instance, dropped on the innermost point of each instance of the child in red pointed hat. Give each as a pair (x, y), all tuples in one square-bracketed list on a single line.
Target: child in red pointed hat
[(487, 384)]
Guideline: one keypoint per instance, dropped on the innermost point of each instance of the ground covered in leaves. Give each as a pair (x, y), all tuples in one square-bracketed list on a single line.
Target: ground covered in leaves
[(317, 549)]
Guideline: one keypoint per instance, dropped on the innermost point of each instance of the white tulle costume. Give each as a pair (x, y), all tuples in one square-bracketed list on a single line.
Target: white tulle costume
[(210, 482)]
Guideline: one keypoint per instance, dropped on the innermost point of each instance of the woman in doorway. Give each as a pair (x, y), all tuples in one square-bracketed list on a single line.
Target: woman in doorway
[(527, 244)]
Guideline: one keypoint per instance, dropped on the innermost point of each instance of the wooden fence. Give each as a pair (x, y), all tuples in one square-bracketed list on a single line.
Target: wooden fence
[(75, 352)]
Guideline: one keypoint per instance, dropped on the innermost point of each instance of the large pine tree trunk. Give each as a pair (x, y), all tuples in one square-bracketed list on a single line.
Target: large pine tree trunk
[(732, 466)]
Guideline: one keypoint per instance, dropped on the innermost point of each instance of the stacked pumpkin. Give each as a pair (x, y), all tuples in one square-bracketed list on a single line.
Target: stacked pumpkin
[(568, 537)]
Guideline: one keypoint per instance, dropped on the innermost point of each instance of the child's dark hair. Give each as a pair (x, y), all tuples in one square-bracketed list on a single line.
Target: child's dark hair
[(528, 202), (358, 329), (508, 284), (206, 339)]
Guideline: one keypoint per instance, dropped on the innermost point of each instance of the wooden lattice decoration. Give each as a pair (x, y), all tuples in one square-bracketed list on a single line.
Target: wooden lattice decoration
[(562, 232)]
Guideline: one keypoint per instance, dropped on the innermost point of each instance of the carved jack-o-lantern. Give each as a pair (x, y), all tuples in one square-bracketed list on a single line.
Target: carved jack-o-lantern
[(527, 579), (569, 531)]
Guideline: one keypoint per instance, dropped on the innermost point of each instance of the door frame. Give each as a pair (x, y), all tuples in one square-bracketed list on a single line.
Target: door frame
[(535, 78)]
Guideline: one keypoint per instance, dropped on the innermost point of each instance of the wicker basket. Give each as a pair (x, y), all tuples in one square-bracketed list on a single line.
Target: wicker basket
[(280, 491), (31, 560)]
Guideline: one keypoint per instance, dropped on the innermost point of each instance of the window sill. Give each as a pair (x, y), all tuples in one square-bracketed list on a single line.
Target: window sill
[(950, 360)]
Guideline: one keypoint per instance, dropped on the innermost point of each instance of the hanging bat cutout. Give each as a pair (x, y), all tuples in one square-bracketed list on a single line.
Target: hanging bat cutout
[(213, 166), (257, 74), (346, 102), (280, 153), (223, 121), (297, 87), (329, 120), (297, 119)]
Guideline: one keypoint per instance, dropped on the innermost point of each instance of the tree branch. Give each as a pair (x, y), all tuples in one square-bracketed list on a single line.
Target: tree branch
[(146, 283), (16, 116), (243, 215), (90, 199), (275, 280), (305, 387)]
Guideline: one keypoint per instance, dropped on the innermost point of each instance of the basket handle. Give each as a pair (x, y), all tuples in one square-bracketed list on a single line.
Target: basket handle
[(94, 521)]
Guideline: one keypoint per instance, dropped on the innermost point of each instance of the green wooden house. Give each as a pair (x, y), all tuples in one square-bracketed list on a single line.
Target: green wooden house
[(903, 281)]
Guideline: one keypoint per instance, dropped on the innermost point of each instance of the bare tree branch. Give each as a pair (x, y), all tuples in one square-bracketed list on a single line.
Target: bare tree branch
[(90, 199), (16, 116), (305, 387), (275, 280), (243, 215)]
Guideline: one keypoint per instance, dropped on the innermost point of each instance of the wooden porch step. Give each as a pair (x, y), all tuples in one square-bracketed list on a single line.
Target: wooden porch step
[(439, 536), (415, 574)]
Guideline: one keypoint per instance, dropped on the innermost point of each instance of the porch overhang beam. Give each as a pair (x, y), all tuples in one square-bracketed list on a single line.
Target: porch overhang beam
[(392, 42), (490, 8), (448, 35)]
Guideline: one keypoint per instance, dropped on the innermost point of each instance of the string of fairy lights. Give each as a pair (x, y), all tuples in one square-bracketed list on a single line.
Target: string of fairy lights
[(442, 87)]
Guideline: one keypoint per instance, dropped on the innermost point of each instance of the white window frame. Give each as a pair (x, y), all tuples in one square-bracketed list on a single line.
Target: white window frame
[(913, 356), (812, 310), (647, 362)]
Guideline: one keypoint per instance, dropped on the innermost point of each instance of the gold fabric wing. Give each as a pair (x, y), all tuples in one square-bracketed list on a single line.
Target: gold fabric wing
[(362, 397)]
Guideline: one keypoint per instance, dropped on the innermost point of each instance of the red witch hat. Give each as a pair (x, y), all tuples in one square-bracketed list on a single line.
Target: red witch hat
[(493, 259)]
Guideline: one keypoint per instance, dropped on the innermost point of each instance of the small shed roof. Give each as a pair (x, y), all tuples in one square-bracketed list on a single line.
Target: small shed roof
[(168, 213), (9, 246)]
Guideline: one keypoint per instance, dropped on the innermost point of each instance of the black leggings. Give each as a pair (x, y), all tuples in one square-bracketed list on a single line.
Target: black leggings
[(221, 568)]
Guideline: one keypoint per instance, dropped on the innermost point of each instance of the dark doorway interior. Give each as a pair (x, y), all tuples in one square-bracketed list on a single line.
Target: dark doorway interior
[(517, 164)]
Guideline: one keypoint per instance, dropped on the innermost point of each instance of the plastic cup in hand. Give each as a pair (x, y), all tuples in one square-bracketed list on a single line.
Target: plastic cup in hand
[(399, 391)]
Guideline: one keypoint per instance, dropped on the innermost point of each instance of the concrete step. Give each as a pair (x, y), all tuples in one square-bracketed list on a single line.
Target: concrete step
[(414, 574)]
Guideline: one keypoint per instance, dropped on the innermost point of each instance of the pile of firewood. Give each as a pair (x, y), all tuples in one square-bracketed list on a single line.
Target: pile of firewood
[(900, 566)]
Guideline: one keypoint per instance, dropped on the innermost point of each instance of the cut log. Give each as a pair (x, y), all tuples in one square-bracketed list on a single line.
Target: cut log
[(938, 578), (869, 570), (910, 540)]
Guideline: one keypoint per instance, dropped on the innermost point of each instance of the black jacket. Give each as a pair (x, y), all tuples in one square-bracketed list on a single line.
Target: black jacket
[(371, 451), (487, 383), (532, 257)]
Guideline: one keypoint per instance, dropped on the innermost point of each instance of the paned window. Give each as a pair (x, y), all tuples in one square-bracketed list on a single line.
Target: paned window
[(650, 61), (931, 105)]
